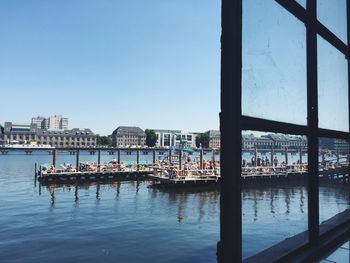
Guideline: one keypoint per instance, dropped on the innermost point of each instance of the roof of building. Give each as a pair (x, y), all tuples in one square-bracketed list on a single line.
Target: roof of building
[(166, 131), (128, 130)]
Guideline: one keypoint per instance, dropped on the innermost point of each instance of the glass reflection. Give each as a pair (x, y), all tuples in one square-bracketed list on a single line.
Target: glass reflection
[(333, 15), (334, 177), (274, 63), (333, 111)]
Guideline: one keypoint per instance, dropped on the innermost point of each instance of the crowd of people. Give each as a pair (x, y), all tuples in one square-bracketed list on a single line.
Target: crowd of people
[(260, 161), (188, 167)]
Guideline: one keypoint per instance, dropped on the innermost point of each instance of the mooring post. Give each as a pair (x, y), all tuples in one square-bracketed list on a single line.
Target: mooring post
[(337, 156), (54, 157), (40, 169), (170, 157), (154, 157), (286, 155), (99, 160), (35, 170), (272, 154), (77, 161), (180, 160), (213, 158), (118, 156), (201, 159), (256, 157), (138, 159), (301, 155), (323, 157)]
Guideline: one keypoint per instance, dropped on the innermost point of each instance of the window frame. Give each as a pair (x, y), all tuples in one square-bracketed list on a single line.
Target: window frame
[(232, 122)]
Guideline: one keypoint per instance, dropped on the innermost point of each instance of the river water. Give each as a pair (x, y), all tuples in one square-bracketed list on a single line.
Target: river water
[(131, 222)]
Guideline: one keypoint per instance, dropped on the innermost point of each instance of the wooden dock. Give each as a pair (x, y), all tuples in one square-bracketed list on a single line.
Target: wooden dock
[(76, 177)]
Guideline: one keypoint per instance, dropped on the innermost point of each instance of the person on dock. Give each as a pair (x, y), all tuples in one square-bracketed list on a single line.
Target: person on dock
[(267, 161), (253, 161), (243, 163), (275, 161), (258, 161), (52, 169)]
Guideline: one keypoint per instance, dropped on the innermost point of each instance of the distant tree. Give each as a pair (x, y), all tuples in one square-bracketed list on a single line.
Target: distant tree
[(103, 140), (198, 140), (202, 140), (151, 137)]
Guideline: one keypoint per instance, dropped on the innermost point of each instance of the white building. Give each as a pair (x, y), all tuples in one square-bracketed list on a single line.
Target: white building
[(166, 138), (185, 140), (57, 122), (214, 139), (41, 122)]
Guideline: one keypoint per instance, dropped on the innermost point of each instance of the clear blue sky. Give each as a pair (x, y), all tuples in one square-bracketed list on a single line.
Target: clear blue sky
[(153, 64), (156, 64)]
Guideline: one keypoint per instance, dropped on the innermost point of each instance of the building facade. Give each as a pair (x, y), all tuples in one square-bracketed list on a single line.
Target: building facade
[(57, 122), (185, 140), (2, 142), (125, 136), (67, 138), (19, 133), (166, 138), (41, 122), (30, 134), (214, 139), (275, 141)]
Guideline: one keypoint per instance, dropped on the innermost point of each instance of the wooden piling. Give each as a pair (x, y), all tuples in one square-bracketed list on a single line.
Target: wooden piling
[(54, 157), (99, 160), (138, 159), (272, 154), (286, 155), (77, 161), (118, 156), (201, 159), (213, 158), (301, 155), (154, 156), (180, 160), (36, 170), (170, 157), (337, 156), (256, 157)]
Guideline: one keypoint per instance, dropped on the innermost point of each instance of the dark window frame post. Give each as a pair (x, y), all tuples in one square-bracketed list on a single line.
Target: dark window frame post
[(230, 245), (312, 123)]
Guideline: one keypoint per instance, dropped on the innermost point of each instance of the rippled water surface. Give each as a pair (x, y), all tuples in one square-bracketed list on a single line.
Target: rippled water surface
[(130, 222)]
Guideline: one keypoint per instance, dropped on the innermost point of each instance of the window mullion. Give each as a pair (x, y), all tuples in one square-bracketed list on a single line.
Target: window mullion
[(312, 116)]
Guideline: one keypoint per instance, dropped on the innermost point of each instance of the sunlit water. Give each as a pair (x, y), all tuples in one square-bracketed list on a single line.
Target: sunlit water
[(131, 222)]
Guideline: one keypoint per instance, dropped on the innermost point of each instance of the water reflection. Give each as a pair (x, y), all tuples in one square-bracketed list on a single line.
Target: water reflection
[(76, 195), (52, 190), (98, 191), (258, 202)]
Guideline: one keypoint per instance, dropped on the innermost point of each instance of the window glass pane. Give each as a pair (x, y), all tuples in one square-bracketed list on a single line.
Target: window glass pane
[(332, 13), (274, 189), (334, 177), (274, 63), (332, 87)]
